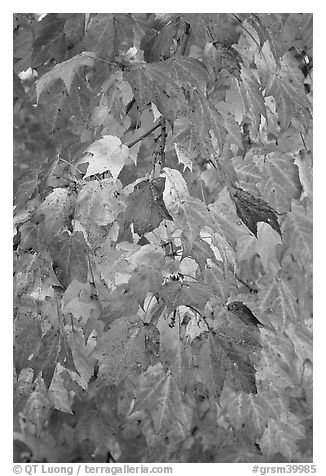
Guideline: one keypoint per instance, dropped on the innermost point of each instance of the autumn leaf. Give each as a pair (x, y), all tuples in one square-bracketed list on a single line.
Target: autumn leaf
[(298, 235), (177, 293), (282, 436), (56, 208), (128, 347), (70, 255), (99, 202), (219, 355), (35, 276), (65, 71), (163, 289), (252, 210), (58, 394), (108, 34), (281, 181), (160, 396), (27, 187), (145, 206), (153, 83), (106, 154), (38, 406)]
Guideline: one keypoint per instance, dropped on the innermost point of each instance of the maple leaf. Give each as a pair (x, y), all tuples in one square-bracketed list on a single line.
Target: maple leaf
[(245, 96), (158, 41), (191, 215), (281, 181), (58, 394), (145, 206), (277, 300), (116, 95), (241, 450), (136, 350), (22, 388), (266, 26), (77, 300), (252, 210), (243, 313), (160, 396), (56, 208), (225, 218), (27, 186), (220, 281), (298, 235), (56, 110), (183, 156), (99, 202), (23, 348), (200, 252), (207, 118), (175, 354), (143, 280), (251, 412), (283, 82), (81, 354), (49, 40), (153, 83), (70, 255), (220, 355), (127, 348), (48, 349), (248, 174), (186, 138), (38, 406), (107, 34), (193, 294), (35, 276), (186, 70), (65, 71), (176, 188), (281, 436), (106, 154)]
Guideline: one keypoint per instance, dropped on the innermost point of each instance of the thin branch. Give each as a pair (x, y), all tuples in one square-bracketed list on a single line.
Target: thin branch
[(251, 289), (303, 141), (103, 61), (183, 41), (133, 142), (71, 165)]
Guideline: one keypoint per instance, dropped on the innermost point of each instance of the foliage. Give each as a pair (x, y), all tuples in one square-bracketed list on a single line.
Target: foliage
[(168, 196)]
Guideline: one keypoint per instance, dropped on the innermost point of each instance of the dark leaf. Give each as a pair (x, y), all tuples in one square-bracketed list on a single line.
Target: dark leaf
[(109, 34), (242, 312), (252, 210), (25, 188), (70, 255), (49, 42), (192, 294), (145, 206), (224, 355)]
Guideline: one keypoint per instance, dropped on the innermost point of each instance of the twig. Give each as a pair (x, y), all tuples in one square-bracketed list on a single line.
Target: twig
[(251, 289), (103, 61), (184, 40), (133, 142)]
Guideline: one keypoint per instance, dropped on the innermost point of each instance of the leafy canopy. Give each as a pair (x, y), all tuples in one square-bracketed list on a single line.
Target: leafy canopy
[(169, 177)]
